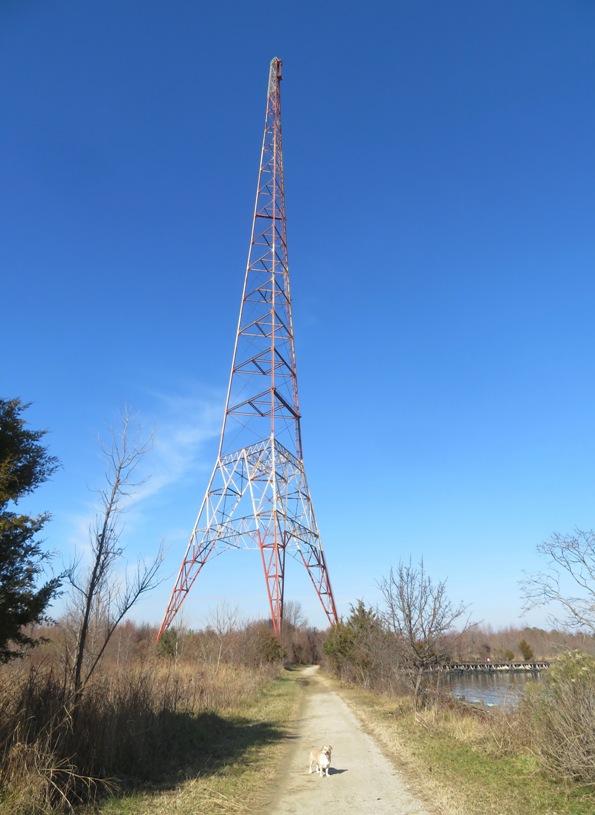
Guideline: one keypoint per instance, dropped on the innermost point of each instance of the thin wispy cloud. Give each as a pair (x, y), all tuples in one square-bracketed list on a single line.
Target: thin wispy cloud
[(182, 425)]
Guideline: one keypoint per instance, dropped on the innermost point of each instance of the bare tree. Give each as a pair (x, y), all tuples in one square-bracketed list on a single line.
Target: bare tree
[(217, 640), (102, 597), (422, 619), (294, 615), (570, 563)]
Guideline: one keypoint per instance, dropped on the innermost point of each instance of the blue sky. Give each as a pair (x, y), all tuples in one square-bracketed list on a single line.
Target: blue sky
[(439, 171)]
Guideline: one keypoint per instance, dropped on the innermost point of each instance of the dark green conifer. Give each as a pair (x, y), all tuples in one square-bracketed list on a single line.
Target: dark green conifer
[(24, 464)]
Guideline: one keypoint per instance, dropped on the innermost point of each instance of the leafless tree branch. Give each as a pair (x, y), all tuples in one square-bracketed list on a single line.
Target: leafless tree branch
[(421, 617), (571, 559), (100, 595)]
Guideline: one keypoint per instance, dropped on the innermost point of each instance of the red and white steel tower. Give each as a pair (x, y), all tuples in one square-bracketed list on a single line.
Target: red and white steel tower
[(258, 495)]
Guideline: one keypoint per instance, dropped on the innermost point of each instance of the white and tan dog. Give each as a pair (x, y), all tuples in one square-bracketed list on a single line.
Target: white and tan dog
[(321, 759)]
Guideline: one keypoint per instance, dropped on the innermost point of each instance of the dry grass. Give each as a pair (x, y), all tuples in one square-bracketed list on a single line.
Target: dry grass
[(466, 761), (151, 727), (239, 782)]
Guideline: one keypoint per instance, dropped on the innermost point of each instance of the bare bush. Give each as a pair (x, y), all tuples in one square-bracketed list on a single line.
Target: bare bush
[(422, 619), (562, 715)]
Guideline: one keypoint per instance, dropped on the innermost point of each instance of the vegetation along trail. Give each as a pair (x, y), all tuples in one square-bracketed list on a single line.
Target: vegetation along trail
[(361, 778)]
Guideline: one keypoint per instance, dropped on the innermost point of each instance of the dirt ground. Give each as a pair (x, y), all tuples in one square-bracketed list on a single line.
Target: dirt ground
[(361, 779)]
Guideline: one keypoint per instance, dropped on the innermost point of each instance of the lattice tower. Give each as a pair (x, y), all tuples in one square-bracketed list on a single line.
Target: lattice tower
[(258, 495)]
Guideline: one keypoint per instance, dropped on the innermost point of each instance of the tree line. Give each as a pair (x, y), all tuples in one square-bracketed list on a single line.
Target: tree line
[(418, 621)]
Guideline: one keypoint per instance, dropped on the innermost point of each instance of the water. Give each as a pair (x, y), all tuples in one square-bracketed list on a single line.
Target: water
[(503, 688)]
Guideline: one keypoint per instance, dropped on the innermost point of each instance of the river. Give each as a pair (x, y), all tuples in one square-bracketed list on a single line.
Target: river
[(502, 688)]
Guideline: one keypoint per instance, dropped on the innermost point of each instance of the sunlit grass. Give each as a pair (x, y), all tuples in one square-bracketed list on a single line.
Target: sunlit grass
[(467, 763)]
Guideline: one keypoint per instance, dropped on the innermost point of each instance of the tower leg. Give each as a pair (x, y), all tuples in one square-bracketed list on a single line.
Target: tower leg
[(315, 563), (273, 562)]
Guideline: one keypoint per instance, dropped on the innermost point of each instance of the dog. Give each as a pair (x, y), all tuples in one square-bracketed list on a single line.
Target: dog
[(321, 759)]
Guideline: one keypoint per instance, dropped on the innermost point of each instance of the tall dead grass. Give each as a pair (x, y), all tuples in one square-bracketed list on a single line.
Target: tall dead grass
[(494, 731), (144, 723)]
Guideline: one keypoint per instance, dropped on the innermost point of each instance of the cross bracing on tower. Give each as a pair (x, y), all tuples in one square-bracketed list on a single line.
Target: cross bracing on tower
[(258, 495)]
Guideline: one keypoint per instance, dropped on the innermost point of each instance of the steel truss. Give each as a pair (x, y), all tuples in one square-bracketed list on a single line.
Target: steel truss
[(258, 495)]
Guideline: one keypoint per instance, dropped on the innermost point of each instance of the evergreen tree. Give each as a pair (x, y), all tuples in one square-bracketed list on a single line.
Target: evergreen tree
[(354, 647), (24, 464)]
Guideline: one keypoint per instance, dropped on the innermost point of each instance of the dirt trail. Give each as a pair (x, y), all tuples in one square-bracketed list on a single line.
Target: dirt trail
[(361, 779)]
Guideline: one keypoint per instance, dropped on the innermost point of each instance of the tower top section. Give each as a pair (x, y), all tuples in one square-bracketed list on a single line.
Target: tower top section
[(275, 75), (262, 399)]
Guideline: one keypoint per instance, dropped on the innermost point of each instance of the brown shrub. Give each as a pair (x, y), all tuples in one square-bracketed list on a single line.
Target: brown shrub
[(561, 711)]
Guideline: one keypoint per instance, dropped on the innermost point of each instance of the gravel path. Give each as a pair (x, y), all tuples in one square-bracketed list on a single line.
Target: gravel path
[(361, 779)]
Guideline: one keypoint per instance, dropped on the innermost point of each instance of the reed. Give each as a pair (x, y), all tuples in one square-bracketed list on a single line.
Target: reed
[(148, 723)]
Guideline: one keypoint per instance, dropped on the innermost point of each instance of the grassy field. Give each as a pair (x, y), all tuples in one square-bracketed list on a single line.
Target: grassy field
[(465, 764), (456, 763), (217, 763), (236, 757)]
